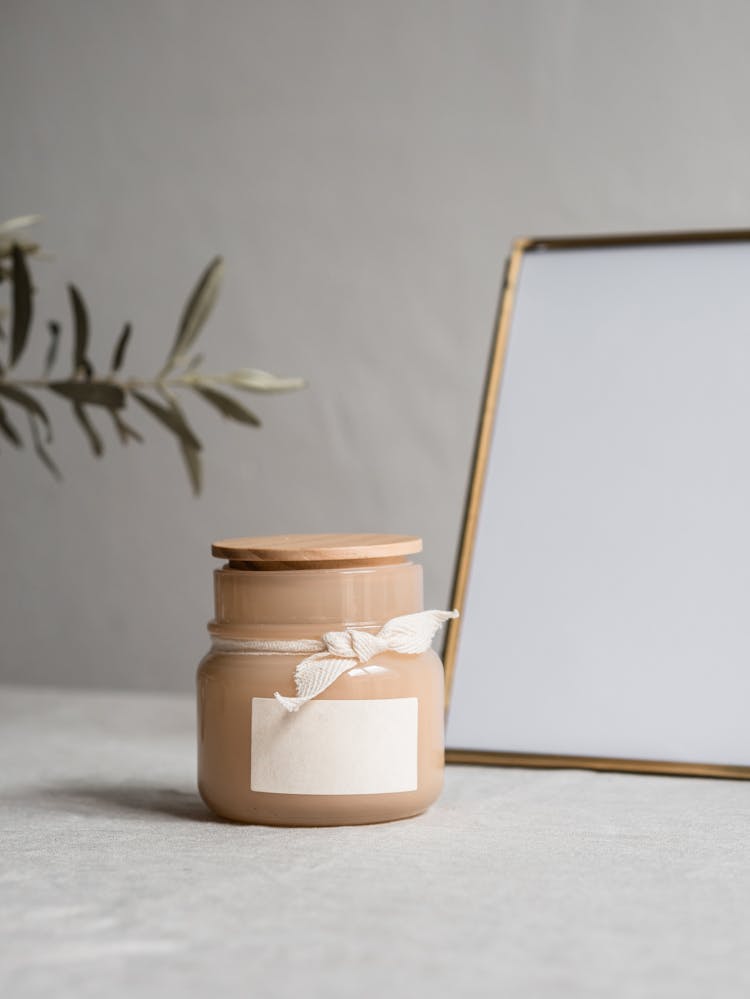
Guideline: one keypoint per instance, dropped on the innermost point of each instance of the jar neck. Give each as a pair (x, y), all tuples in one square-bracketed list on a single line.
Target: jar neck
[(306, 602)]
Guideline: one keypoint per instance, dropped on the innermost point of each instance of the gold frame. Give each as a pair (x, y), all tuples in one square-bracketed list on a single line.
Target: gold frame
[(476, 485)]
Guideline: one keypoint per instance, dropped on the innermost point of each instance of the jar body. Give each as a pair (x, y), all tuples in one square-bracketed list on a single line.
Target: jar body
[(369, 748), (231, 687)]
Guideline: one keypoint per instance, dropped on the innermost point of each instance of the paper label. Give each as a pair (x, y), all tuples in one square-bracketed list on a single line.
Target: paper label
[(334, 747)]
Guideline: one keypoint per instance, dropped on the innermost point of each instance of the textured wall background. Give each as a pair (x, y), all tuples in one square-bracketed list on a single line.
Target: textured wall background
[(362, 167)]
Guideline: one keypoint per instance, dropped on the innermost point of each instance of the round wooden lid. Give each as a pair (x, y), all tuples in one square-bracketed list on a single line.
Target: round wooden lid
[(316, 547)]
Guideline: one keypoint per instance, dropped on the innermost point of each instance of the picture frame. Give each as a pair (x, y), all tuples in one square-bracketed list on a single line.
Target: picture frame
[(470, 748)]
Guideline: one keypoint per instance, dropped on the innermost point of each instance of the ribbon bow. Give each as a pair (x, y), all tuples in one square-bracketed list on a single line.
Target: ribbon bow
[(408, 634)]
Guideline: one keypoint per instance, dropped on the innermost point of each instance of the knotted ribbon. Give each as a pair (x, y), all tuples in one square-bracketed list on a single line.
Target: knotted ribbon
[(408, 634)]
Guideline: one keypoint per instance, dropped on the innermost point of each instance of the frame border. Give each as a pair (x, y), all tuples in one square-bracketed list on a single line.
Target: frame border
[(483, 441)]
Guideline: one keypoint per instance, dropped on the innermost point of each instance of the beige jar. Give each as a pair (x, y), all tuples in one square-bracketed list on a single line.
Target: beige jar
[(368, 748)]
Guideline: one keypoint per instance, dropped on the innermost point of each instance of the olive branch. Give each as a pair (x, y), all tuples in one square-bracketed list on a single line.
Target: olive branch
[(87, 390)]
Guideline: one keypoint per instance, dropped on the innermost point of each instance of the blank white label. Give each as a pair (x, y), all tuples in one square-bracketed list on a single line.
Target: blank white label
[(334, 747)]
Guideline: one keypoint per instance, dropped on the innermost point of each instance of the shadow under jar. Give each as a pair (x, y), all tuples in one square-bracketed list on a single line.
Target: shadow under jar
[(368, 748)]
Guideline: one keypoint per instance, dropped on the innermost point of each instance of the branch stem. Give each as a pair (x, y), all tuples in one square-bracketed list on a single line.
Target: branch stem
[(128, 384)]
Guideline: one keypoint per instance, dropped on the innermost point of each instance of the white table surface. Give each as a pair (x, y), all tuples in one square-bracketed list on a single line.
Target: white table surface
[(116, 881)]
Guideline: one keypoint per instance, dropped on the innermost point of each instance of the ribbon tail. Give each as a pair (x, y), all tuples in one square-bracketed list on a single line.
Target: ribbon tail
[(290, 703), (413, 633), (314, 675)]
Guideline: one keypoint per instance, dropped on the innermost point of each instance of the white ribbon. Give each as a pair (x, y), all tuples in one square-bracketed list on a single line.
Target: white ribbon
[(339, 650)]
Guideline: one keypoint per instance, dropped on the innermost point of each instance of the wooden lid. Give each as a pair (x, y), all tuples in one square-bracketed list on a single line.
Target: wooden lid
[(317, 547)]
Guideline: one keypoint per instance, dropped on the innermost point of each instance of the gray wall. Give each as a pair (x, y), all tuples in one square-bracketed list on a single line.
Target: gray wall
[(363, 167)]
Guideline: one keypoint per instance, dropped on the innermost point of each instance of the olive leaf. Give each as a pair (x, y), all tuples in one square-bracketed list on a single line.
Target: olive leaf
[(21, 222), (54, 343), (41, 451), (171, 417), (29, 403), (124, 431), (227, 406), (254, 380), (8, 430), (196, 312), (192, 458), (22, 304), (80, 331), (92, 434), (122, 345), (91, 393)]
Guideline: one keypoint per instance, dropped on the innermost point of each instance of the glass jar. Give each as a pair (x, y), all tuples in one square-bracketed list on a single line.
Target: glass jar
[(369, 747)]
